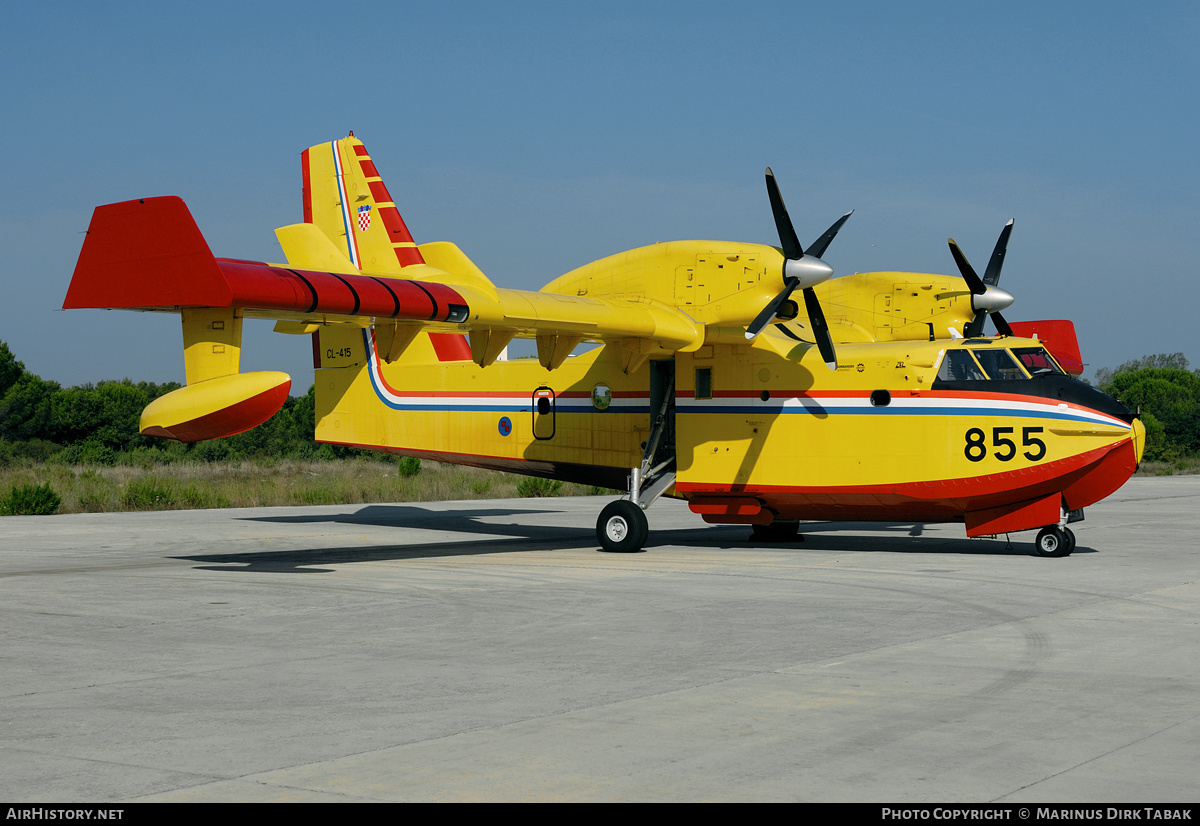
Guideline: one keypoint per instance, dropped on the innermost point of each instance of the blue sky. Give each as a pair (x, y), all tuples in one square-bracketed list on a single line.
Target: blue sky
[(541, 136)]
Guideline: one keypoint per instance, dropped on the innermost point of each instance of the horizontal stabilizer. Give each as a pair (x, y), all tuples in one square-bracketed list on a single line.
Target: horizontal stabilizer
[(150, 255)]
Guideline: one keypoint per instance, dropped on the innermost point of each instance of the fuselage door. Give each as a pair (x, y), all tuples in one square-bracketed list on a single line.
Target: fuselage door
[(543, 413)]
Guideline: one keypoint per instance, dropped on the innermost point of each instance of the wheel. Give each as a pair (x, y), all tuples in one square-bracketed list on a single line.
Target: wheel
[(776, 532), (622, 527), (1052, 541), (1070, 534)]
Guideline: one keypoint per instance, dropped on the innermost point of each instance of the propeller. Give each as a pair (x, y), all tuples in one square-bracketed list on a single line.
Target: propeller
[(800, 269), (986, 297)]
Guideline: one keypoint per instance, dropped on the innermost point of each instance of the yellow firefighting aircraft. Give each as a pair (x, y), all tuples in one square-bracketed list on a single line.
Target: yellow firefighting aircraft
[(878, 399)]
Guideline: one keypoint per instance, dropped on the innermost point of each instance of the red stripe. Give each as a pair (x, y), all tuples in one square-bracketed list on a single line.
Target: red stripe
[(380, 193), (397, 231), (957, 395), (616, 394), (306, 187), (360, 149), (368, 168), (407, 256)]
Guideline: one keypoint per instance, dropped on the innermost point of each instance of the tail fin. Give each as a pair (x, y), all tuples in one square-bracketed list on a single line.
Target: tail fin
[(345, 197), (1059, 337)]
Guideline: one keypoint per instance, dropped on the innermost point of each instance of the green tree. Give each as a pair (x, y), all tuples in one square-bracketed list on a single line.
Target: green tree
[(1166, 397), (10, 369), (108, 414), (1166, 361), (25, 409)]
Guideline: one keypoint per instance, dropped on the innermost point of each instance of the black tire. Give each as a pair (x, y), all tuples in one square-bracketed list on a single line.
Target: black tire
[(1070, 534), (775, 532), (622, 527), (1052, 541)]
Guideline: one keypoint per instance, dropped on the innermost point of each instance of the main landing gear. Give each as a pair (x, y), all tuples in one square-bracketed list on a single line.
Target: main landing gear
[(622, 526), (1055, 541)]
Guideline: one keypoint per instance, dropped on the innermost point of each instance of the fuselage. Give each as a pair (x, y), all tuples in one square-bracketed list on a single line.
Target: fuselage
[(912, 431)]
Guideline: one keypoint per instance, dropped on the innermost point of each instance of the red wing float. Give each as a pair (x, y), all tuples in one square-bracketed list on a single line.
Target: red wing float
[(875, 398)]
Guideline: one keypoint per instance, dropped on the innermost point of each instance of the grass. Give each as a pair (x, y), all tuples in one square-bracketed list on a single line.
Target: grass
[(96, 489), (1183, 466), (241, 484)]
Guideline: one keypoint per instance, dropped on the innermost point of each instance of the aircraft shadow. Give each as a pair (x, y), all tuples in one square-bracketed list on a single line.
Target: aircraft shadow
[(481, 538), (405, 516), (903, 537), (478, 538)]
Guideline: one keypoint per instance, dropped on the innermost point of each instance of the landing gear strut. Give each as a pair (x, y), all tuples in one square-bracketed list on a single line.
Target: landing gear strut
[(622, 526)]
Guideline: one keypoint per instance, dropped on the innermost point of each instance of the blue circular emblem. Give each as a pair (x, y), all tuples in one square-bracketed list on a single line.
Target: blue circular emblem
[(505, 426)]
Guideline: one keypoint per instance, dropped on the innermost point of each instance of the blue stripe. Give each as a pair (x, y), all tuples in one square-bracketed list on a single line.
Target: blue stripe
[(496, 408), (339, 175), (890, 411), (739, 410)]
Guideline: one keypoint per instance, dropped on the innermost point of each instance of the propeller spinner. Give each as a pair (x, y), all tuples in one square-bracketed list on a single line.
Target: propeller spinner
[(800, 269), (986, 297)]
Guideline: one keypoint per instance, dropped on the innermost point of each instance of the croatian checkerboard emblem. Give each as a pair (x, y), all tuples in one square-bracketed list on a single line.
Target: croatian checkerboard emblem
[(364, 217)]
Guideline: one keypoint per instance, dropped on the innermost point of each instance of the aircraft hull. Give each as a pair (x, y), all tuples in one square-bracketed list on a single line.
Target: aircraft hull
[(1081, 480), (766, 446)]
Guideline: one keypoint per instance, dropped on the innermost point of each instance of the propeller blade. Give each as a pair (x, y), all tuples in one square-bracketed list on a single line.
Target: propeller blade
[(991, 276), (974, 328), (768, 312), (816, 321), (974, 282), (1001, 325), (788, 241), (799, 268), (993, 297), (819, 246)]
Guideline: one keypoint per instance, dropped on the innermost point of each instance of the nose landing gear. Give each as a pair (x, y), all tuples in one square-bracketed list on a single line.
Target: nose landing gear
[(1055, 541)]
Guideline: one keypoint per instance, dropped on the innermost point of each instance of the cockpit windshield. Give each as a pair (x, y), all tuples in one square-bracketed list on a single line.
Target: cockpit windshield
[(1037, 361), (999, 365), (996, 364), (959, 366)]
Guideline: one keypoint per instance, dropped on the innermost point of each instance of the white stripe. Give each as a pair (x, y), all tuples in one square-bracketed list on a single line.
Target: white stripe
[(351, 246), (855, 405)]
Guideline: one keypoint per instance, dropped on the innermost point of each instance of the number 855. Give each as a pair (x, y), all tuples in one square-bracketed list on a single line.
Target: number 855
[(1006, 449)]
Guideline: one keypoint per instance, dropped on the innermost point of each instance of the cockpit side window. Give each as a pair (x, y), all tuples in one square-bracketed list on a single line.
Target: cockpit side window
[(959, 366), (999, 365), (1037, 361)]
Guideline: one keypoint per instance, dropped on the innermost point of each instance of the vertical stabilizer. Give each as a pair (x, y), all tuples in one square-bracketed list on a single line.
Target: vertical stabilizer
[(347, 200)]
